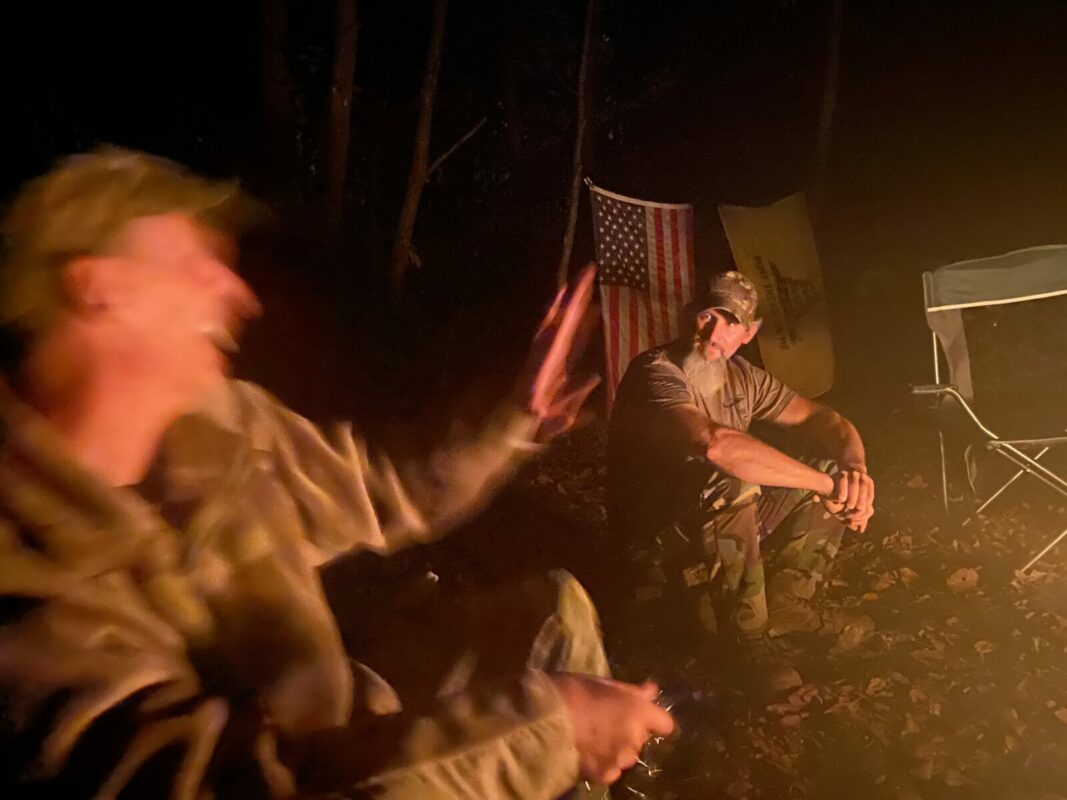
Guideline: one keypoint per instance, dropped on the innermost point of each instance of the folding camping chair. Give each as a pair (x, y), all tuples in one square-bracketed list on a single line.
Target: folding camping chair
[(1019, 277)]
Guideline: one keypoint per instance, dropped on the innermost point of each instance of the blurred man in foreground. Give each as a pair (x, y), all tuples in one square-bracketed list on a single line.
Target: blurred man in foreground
[(164, 630), (682, 466)]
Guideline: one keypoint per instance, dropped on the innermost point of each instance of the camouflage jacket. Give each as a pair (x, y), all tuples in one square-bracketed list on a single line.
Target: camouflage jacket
[(185, 648)]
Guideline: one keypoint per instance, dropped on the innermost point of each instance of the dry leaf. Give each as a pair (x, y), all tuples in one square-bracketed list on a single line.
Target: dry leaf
[(954, 777), (928, 654), (884, 581), (857, 629), (899, 543), (1061, 715), (907, 576), (962, 580), (917, 482), (877, 686)]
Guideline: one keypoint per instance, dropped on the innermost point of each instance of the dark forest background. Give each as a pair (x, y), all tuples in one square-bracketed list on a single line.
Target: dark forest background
[(946, 144)]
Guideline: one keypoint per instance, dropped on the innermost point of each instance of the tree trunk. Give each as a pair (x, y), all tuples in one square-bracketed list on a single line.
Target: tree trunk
[(279, 141), (829, 105), (344, 67), (509, 53), (420, 158), (592, 19)]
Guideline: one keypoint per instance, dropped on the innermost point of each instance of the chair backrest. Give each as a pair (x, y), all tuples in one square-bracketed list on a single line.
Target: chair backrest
[(1022, 276)]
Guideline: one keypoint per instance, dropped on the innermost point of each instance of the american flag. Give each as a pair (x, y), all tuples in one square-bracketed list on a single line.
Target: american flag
[(644, 252)]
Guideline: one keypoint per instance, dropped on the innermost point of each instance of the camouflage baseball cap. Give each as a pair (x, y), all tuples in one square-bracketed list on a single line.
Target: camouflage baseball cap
[(731, 292)]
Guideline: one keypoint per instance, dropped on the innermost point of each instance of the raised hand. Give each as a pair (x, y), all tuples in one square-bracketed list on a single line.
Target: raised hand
[(554, 397)]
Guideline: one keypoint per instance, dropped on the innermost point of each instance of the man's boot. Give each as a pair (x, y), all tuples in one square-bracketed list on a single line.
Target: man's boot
[(789, 607), (766, 668)]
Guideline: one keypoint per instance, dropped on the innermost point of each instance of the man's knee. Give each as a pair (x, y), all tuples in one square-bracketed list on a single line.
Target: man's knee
[(722, 491), (732, 531), (570, 639)]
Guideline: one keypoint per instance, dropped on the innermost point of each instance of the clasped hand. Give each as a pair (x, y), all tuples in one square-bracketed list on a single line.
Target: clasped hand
[(852, 501)]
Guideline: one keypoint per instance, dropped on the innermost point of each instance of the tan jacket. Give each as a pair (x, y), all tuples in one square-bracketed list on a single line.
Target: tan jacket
[(188, 645)]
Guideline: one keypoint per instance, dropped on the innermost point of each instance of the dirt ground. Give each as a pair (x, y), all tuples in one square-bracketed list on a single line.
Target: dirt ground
[(946, 680)]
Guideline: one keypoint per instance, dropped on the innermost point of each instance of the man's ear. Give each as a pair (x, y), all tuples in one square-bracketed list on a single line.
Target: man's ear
[(85, 284), (753, 329)]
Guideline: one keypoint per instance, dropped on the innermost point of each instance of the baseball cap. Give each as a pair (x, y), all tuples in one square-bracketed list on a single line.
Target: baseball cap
[(731, 292), (78, 208)]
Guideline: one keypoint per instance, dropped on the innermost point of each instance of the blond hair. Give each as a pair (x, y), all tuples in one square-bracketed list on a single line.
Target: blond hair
[(79, 207)]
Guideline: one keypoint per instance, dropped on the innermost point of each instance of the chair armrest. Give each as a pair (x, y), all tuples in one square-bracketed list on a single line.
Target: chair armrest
[(1048, 441), (932, 388)]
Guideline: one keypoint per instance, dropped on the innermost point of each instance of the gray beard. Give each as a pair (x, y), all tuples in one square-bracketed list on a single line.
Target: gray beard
[(702, 372)]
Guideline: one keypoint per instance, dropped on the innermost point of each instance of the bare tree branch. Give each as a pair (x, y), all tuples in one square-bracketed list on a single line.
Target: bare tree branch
[(344, 67), (592, 18), (455, 147), (419, 161), (276, 85), (826, 113)]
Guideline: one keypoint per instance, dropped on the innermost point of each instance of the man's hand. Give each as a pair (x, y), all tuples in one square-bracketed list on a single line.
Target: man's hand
[(559, 342), (611, 721), (853, 498)]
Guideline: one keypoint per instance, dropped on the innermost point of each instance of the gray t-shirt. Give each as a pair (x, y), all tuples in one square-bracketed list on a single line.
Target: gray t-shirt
[(653, 470)]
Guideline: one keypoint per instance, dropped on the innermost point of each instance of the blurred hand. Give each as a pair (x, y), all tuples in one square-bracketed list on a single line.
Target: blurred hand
[(611, 721), (563, 334)]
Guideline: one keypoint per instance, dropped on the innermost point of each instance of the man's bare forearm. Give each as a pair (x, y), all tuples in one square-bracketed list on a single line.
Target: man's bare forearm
[(746, 457), (749, 459), (839, 437)]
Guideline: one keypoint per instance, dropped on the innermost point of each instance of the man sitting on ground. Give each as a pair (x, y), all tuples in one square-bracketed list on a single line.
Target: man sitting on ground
[(680, 461), (163, 630)]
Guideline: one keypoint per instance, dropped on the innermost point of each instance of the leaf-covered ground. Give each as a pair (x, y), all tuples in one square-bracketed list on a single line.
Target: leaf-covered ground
[(939, 671)]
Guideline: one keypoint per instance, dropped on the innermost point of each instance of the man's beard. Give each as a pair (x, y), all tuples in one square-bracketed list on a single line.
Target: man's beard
[(699, 368)]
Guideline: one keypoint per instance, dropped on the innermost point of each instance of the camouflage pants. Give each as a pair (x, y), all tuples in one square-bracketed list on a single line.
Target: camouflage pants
[(446, 639), (441, 640), (734, 518)]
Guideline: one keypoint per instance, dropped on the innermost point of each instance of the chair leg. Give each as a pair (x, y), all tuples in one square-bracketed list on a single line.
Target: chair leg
[(1041, 555), (944, 470), (1001, 490), (1024, 462)]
